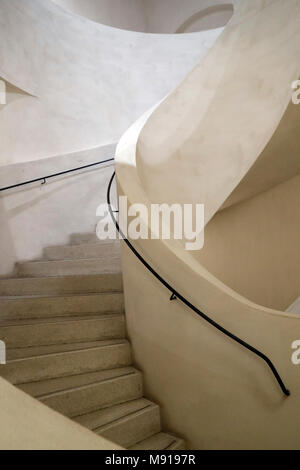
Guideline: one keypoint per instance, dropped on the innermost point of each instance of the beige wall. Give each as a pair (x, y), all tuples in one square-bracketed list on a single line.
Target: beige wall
[(212, 392), (27, 424), (196, 147), (253, 247)]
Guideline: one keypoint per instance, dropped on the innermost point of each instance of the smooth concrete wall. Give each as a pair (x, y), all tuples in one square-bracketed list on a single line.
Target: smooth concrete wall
[(215, 149), (196, 147), (154, 16), (36, 216), (253, 247), (27, 424), (171, 16), (88, 81), (211, 17), (278, 162), (124, 14), (12, 94), (210, 389)]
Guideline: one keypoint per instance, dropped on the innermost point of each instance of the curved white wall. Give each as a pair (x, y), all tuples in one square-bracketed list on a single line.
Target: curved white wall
[(154, 16), (89, 81), (124, 14)]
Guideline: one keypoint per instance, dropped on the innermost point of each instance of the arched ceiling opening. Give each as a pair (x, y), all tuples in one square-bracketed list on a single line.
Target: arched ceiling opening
[(153, 16), (212, 17)]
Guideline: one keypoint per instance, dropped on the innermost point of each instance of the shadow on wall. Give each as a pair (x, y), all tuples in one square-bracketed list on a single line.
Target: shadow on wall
[(10, 93), (210, 18)]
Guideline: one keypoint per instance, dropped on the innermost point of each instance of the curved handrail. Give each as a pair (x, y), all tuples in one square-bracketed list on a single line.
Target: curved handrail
[(45, 178), (176, 295)]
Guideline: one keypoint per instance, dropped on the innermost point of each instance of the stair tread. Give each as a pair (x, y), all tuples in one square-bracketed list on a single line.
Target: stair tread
[(61, 349), (55, 296), (85, 244), (89, 237), (63, 319), (159, 441), (57, 261), (61, 285), (65, 276), (100, 419), (71, 383), (33, 351)]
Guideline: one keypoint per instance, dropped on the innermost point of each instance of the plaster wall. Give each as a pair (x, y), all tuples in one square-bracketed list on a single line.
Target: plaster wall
[(27, 424), (124, 14), (253, 247), (197, 146), (154, 16), (88, 82), (171, 16), (36, 216)]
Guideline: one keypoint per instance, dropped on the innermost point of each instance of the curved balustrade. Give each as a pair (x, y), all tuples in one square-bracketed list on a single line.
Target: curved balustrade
[(197, 146)]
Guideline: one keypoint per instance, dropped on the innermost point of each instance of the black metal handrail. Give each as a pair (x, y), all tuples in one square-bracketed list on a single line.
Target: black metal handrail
[(176, 295), (54, 175)]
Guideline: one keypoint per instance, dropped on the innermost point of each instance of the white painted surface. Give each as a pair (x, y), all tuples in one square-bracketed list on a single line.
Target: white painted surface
[(124, 14), (153, 16), (89, 81), (36, 216)]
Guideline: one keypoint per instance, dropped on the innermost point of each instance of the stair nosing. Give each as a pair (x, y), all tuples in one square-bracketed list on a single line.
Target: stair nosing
[(94, 244), (139, 412), (82, 387), (92, 348), (59, 277), (62, 260), (12, 298), (62, 319)]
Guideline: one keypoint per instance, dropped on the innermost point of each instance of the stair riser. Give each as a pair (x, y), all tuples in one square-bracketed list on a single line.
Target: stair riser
[(105, 327), (63, 364), (69, 268), (87, 399), (60, 306), (87, 251), (133, 428), (62, 285), (78, 239), (179, 445)]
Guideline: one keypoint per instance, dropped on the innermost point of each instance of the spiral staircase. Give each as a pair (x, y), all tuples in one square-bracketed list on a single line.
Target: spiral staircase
[(64, 327)]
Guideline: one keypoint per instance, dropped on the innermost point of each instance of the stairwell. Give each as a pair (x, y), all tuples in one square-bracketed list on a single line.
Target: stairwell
[(62, 319)]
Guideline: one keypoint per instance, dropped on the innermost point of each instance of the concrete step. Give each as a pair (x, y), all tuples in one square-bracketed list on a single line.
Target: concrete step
[(124, 424), (61, 384), (32, 351), (59, 306), (61, 364), (38, 332), (160, 441), (62, 285), (123, 386), (104, 251), (79, 238), (69, 267)]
